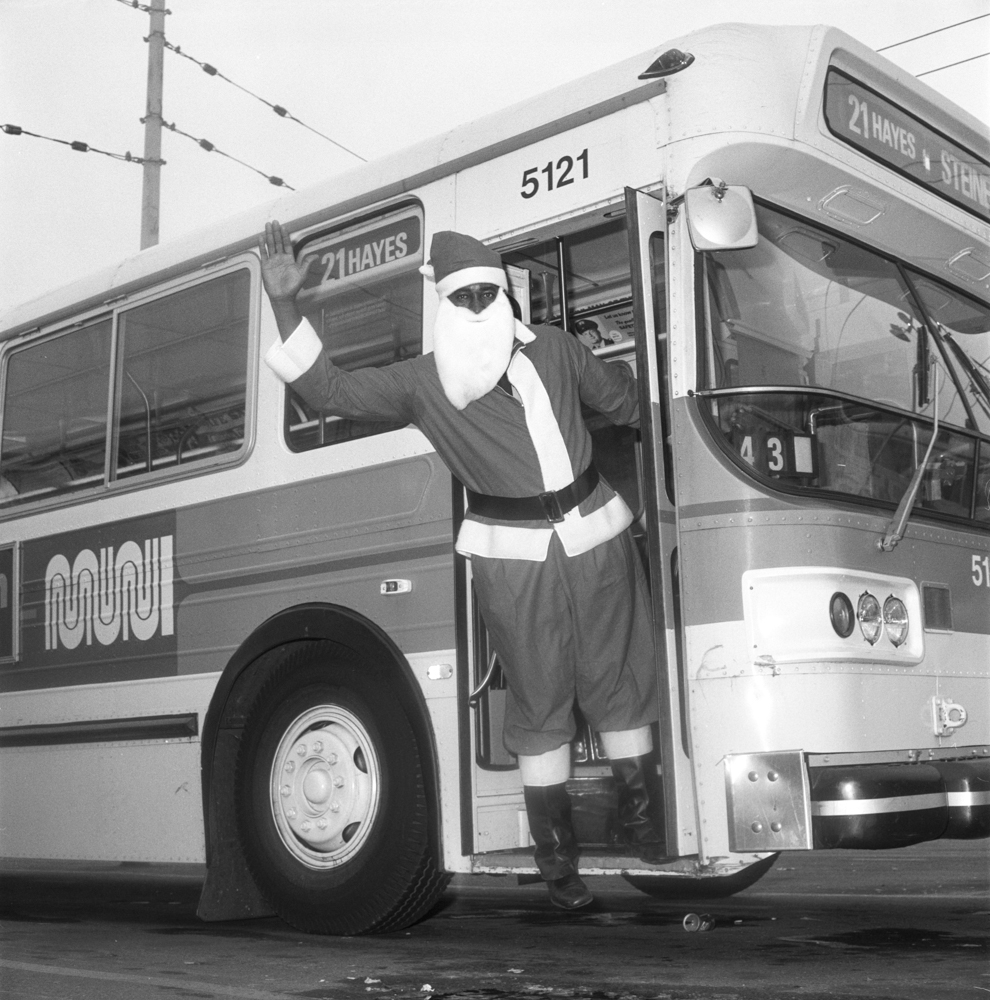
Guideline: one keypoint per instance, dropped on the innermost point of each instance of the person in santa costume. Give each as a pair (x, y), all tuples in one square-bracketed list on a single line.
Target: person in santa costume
[(559, 582)]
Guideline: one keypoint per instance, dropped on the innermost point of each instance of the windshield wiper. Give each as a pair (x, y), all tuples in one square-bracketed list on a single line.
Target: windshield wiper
[(978, 384), (895, 530)]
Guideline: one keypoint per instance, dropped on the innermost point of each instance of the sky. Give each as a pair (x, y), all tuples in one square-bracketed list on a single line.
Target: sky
[(374, 75)]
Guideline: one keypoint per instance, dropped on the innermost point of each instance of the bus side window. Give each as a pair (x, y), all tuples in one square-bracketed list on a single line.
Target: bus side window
[(55, 415), (182, 377), (364, 298)]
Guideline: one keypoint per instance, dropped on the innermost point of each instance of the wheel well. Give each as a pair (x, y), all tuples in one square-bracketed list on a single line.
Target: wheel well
[(229, 891)]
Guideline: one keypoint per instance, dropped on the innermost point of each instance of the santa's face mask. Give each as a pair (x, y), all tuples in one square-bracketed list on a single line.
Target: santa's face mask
[(472, 349)]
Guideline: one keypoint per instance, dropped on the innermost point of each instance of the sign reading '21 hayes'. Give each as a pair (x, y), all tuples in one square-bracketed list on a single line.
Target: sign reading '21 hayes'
[(861, 117)]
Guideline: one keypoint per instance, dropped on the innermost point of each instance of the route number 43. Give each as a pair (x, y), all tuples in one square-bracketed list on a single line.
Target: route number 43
[(981, 571)]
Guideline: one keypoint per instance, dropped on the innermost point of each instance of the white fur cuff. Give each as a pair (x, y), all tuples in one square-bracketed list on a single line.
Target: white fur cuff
[(623, 743), (472, 276), (291, 358)]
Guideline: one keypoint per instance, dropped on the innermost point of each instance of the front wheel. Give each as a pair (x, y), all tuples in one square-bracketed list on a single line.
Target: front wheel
[(675, 887), (331, 799)]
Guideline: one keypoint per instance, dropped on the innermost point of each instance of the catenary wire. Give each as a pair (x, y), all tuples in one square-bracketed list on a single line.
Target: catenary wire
[(277, 108), (81, 147), (928, 72), (213, 71), (142, 6), (211, 148), (894, 45)]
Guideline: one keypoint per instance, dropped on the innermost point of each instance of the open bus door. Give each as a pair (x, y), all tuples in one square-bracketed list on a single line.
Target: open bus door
[(646, 228), (652, 264), (608, 273)]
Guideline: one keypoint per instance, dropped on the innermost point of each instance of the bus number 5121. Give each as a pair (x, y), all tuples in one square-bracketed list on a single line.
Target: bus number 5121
[(556, 176)]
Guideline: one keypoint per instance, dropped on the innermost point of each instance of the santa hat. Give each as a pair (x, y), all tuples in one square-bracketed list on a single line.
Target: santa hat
[(457, 260)]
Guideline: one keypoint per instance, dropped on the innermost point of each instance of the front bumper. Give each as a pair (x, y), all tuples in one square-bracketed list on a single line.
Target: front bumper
[(792, 800)]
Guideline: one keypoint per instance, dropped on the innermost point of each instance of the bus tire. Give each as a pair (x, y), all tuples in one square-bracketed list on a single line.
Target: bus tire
[(331, 799), (702, 886)]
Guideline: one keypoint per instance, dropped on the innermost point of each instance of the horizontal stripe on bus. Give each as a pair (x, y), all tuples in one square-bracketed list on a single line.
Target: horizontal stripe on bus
[(148, 727), (867, 807), (268, 574), (960, 800)]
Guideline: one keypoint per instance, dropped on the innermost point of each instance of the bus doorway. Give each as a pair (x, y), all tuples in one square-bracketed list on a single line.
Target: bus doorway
[(576, 277)]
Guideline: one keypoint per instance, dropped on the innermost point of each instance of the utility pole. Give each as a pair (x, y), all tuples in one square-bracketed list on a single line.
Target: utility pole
[(151, 186)]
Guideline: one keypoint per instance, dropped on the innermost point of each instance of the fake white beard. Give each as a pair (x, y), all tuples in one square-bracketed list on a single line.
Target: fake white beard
[(472, 350)]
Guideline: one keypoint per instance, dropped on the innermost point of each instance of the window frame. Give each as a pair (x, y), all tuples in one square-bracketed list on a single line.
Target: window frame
[(330, 229), (708, 394), (112, 309)]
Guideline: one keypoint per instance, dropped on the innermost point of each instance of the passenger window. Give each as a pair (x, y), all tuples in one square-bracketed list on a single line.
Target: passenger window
[(55, 415), (364, 298), (592, 267), (182, 377), (178, 393)]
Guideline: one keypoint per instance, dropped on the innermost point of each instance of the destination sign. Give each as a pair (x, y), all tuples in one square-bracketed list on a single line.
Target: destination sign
[(860, 117), (372, 251)]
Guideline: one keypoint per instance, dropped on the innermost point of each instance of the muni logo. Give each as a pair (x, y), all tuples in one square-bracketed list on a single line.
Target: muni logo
[(116, 595)]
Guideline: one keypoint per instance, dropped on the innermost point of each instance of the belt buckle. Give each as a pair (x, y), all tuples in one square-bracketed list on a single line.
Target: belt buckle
[(551, 507)]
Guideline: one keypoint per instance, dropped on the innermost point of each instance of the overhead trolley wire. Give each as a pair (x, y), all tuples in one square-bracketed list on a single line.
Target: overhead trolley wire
[(210, 148), (277, 108), (142, 6), (81, 147), (927, 72), (894, 45)]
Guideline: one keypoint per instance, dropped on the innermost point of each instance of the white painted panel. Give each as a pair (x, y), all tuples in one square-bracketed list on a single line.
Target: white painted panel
[(599, 159), (440, 690), (122, 700), (103, 802)]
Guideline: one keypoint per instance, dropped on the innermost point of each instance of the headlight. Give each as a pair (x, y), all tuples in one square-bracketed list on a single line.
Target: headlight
[(870, 618), (895, 619), (840, 611)]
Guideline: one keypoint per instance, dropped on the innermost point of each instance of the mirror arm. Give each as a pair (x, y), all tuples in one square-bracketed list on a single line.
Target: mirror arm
[(895, 530)]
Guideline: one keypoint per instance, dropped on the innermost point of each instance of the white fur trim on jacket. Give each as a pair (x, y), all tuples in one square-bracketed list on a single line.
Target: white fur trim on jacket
[(472, 276), (577, 534), (292, 357)]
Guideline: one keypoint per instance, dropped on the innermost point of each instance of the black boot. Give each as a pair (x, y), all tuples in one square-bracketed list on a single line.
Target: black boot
[(641, 808), (548, 808)]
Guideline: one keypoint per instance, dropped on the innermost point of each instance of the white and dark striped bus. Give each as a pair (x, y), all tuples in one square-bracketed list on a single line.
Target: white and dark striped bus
[(234, 632)]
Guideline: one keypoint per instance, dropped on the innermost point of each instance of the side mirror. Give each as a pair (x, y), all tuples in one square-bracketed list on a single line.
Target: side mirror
[(721, 217)]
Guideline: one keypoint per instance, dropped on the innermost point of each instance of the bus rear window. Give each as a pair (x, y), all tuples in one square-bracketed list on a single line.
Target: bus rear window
[(364, 298), (174, 395), (55, 415)]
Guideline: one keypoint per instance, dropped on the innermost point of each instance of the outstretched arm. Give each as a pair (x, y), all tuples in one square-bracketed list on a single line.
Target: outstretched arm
[(282, 276)]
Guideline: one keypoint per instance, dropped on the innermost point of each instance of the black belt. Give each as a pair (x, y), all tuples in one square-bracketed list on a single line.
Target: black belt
[(550, 506)]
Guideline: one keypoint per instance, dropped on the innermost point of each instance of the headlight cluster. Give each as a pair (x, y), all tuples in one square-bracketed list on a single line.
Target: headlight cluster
[(873, 619)]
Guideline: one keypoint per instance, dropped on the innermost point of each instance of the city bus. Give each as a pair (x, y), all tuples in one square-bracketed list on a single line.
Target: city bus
[(234, 632)]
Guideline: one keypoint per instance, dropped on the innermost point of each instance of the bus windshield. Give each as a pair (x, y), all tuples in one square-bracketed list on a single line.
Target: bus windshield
[(841, 359)]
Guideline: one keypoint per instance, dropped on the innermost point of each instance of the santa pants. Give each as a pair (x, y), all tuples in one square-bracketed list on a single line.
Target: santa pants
[(565, 629)]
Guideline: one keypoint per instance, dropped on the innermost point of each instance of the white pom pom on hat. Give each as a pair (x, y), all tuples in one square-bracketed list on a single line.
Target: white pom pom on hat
[(457, 260)]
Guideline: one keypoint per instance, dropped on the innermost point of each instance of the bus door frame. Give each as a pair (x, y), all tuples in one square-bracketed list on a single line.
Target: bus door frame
[(646, 217)]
